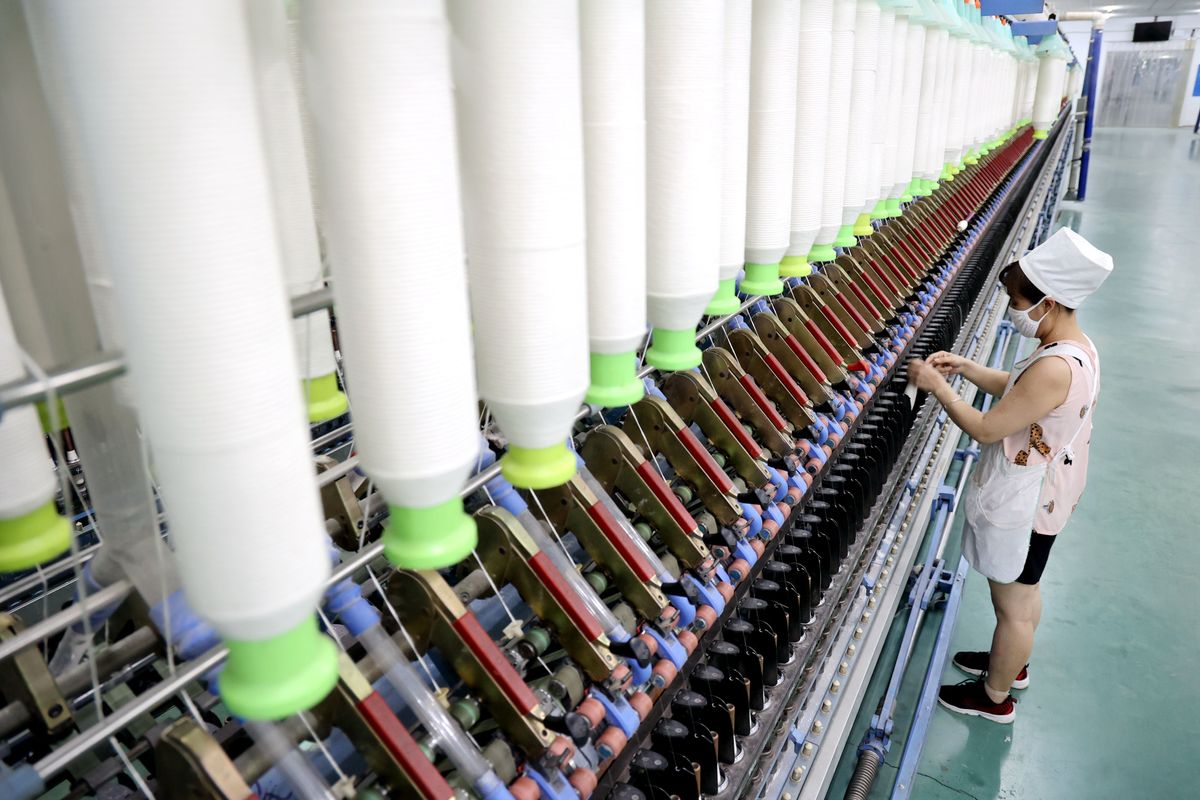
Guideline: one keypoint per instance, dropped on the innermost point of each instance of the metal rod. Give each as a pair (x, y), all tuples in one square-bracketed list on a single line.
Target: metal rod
[(104, 367), (47, 575), (113, 593), (317, 300), (73, 748), (111, 364)]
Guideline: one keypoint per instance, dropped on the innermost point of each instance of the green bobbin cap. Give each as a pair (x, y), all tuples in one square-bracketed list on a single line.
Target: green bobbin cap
[(893, 207), (762, 279), (947, 171), (429, 538), (273, 678), (725, 301), (972, 157), (614, 380), (880, 210), (43, 411), (538, 468), (862, 225), (845, 237), (1041, 134), (33, 538), (673, 350), (325, 400), (795, 267), (923, 188), (822, 252)]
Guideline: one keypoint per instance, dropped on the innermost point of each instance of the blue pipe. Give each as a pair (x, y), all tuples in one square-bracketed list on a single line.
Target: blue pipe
[(911, 758), (1091, 77)]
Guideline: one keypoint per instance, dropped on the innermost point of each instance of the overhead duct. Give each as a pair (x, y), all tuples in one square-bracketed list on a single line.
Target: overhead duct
[(735, 111), (683, 172), (287, 158), (31, 530), (1052, 57), (862, 121), (837, 129), (517, 82), (773, 55), (812, 104), (387, 172), (199, 285), (612, 35)]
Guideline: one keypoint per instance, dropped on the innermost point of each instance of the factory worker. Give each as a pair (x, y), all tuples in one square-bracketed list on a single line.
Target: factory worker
[(1033, 456)]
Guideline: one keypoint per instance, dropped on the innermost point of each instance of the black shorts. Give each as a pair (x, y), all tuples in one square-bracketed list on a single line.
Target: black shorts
[(1035, 561)]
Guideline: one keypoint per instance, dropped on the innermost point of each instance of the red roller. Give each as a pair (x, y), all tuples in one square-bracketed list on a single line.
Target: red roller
[(592, 710), (524, 788), (495, 663), (620, 542), (641, 703), (660, 489), (584, 781), (809, 364), (705, 460), (663, 672), (611, 742), (735, 427), (399, 742), (786, 379), (553, 580)]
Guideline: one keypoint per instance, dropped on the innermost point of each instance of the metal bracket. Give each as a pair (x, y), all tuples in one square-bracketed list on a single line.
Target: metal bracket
[(26, 678), (434, 617), (510, 556), (619, 466)]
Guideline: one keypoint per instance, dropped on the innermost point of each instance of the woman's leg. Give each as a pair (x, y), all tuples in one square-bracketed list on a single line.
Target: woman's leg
[(1018, 609)]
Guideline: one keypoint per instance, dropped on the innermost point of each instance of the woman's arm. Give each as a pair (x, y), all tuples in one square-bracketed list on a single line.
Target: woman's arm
[(992, 381), (1042, 388)]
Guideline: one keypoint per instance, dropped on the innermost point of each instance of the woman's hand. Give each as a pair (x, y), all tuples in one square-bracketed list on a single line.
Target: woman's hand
[(925, 376), (948, 364)]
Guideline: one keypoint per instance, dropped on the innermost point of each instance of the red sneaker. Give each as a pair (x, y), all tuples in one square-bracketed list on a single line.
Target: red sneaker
[(970, 698), (976, 663)]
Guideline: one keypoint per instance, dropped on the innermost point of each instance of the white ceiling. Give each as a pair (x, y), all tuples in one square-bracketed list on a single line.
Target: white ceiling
[(1130, 8)]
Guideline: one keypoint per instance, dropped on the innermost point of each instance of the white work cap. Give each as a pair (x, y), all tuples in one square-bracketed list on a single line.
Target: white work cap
[(1066, 267)]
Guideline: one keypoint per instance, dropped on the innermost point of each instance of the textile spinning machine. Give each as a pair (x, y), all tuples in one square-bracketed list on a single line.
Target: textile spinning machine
[(480, 399)]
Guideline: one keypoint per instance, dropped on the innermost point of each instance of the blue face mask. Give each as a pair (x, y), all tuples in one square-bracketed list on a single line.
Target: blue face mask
[(1021, 320)]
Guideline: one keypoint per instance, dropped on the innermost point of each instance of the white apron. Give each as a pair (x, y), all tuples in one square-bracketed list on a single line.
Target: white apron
[(1002, 498)]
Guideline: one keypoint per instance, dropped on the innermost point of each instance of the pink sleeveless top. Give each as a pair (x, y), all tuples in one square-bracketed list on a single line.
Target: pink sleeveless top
[(1046, 437)]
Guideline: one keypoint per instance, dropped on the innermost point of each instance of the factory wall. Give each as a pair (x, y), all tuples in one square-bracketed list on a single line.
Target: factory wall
[(1118, 35)]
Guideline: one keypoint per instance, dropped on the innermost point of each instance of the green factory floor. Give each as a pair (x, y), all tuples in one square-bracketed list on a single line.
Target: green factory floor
[(1114, 690)]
